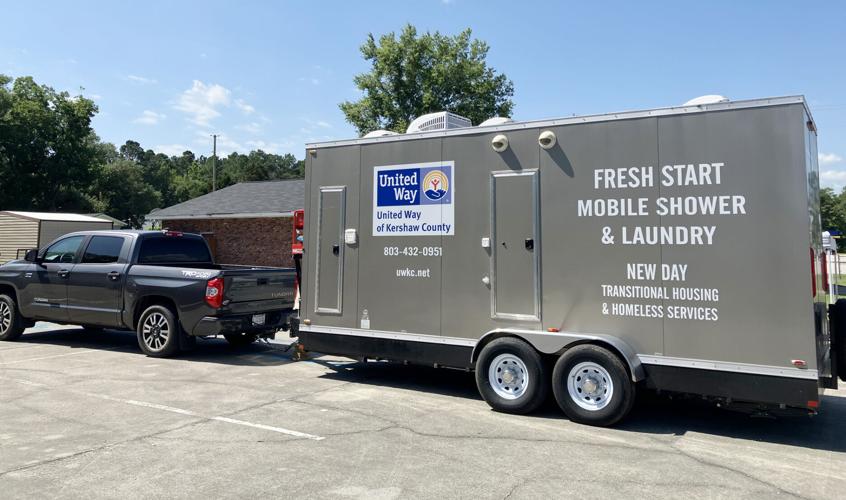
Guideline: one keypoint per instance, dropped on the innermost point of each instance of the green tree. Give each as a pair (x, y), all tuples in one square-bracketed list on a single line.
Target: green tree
[(413, 75), (121, 191), (48, 151)]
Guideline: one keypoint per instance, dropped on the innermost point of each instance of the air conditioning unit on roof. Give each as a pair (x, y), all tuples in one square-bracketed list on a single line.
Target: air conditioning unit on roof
[(442, 120)]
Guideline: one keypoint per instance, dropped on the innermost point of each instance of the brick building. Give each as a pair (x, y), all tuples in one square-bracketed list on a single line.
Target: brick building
[(248, 223)]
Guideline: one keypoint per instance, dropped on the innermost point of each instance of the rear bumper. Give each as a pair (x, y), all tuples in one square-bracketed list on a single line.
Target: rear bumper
[(241, 323)]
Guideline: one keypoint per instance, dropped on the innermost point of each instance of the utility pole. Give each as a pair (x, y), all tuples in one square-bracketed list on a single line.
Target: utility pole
[(214, 162)]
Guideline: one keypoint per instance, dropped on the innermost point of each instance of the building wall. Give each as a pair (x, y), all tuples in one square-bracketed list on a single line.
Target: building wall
[(52, 229), (249, 242), (16, 233)]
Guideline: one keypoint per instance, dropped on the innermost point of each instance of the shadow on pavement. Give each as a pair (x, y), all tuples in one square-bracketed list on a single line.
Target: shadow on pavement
[(653, 414), (209, 351)]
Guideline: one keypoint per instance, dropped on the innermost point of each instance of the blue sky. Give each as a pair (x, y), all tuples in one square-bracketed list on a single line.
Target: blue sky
[(270, 75)]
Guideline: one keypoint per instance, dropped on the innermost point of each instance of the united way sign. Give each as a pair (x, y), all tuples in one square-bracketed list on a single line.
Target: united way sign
[(415, 199)]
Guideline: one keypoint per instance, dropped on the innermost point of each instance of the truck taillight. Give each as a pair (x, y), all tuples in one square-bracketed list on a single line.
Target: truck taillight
[(813, 273), (214, 292)]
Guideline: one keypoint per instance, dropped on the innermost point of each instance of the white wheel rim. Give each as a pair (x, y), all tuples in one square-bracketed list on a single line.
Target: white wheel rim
[(508, 376), (590, 386), (5, 317), (155, 331)]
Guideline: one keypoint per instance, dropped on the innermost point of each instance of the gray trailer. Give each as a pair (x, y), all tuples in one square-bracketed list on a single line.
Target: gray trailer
[(591, 256)]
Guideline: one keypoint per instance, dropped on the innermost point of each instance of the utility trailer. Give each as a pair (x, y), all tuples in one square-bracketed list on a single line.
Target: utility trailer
[(591, 256)]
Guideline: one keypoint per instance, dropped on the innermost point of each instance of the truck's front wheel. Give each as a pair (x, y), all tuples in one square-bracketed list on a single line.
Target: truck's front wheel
[(511, 376), (158, 332), (11, 323)]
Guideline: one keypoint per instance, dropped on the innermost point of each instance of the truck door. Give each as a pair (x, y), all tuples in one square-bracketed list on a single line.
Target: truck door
[(331, 221), (515, 245), (95, 284), (45, 293)]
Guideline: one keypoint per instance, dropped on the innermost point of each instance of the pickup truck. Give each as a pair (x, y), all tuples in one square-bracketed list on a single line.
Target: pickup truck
[(163, 285)]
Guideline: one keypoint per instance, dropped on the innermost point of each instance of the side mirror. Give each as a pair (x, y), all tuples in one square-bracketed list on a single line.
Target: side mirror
[(31, 256)]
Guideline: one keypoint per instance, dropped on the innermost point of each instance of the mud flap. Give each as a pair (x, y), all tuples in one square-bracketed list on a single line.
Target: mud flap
[(837, 324)]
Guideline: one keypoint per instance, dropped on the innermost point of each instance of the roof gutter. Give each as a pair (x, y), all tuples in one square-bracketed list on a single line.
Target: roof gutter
[(256, 215)]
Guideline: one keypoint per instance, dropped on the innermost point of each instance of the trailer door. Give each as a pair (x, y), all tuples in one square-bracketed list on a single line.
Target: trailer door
[(515, 245), (330, 249)]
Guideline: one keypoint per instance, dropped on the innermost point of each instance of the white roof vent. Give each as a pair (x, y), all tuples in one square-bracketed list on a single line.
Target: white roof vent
[(379, 133), (442, 120), (706, 99), (496, 120)]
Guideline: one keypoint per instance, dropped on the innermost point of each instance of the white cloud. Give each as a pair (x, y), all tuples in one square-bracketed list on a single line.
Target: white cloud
[(252, 127), (244, 107), (201, 102), (142, 80), (149, 117), (270, 147), (312, 80), (829, 158), (95, 97), (171, 149), (225, 144)]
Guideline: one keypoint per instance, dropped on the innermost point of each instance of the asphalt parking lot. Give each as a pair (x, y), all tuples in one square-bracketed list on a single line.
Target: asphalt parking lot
[(87, 415)]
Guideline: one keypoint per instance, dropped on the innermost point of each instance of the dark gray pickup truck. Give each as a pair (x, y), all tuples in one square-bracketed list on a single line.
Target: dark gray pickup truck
[(161, 284)]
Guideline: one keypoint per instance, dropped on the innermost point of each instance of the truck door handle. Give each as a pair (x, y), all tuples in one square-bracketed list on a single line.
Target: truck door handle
[(114, 275), (64, 273), (336, 249), (530, 243)]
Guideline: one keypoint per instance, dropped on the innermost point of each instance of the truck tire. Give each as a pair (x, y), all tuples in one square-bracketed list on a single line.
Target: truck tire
[(592, 386), (511, 376), (11, 323), (240, 339), (158, 332), (838, 337)]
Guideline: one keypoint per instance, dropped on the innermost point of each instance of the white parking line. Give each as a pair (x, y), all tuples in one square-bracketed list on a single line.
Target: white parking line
[(180, 411)]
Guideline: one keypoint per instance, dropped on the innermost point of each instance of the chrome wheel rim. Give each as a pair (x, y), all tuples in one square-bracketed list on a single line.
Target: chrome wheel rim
[(508, 376), (590, 386), (155, 331), (5, 317)]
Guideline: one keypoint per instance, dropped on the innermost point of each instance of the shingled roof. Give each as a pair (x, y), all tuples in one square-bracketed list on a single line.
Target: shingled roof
[(246, 199)]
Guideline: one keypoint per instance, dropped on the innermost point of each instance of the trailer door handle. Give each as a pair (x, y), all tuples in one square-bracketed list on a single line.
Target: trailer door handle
[(530, 243), (336, 249)]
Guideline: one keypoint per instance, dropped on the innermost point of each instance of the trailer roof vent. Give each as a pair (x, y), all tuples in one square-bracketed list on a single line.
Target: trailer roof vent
[(706, 99), (496, 120), (379, 133), (442, 120)]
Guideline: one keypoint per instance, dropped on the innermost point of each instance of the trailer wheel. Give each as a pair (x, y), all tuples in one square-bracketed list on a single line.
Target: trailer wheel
[(240, 339), (592, 386), (511, 376), (11, 323), (158, 332)]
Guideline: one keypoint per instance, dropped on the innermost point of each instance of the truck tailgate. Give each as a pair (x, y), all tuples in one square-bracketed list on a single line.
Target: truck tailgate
[(257, 285)]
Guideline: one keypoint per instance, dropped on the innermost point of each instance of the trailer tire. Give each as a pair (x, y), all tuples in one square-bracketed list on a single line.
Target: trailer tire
[(11, 322), (511, 376), (592, 386), (240, 339), (838, 337), (158, 332)]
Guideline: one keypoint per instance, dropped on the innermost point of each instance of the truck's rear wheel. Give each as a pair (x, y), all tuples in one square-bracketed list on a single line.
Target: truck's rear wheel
[(511, 376), (158, 332), (592, 386), (240, 339), (11, 323)]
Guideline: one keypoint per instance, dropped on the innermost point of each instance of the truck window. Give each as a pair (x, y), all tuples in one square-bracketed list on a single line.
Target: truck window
[(174, 250), (102, 250), (63, 250)]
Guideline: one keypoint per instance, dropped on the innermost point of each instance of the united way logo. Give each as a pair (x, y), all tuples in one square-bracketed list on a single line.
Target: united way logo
[(435, 185)]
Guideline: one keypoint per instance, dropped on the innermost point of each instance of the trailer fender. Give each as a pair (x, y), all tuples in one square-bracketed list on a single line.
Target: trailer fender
[(557, 342)]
